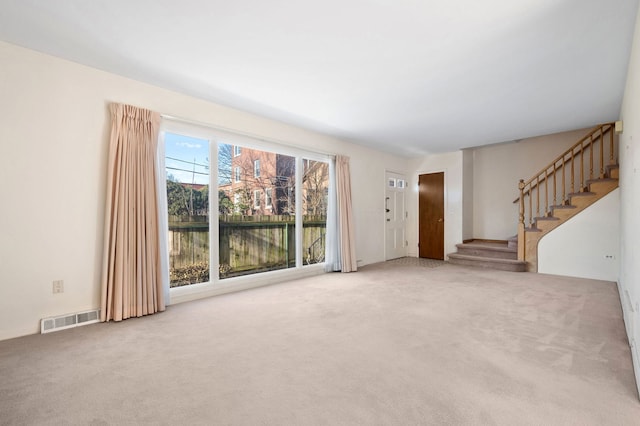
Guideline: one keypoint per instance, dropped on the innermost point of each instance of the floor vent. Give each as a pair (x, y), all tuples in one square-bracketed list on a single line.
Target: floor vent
[(47, 325)]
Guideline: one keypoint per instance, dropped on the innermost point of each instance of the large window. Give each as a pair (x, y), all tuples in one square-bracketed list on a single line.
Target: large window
[(188, 180), (315, 189), (271, 207), (260, 234)]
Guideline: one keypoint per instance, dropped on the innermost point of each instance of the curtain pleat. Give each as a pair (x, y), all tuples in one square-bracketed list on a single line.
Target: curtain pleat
[(131, 279), (345, 215)]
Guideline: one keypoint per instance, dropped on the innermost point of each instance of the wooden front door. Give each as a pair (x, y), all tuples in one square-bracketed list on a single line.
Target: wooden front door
[(431, 215)]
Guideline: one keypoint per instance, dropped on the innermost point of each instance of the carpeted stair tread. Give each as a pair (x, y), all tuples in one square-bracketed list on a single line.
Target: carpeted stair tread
[(590, 181), (512, 265), (581, 194), (563, 206), (486, 249), (488, 246), (487, 259)]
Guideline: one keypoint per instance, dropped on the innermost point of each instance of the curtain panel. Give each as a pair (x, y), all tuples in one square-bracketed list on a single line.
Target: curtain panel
[(132, 274), (346, 226)]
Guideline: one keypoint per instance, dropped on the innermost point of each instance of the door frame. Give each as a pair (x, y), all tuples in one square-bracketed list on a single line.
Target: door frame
[(417, 208), (406, 209)]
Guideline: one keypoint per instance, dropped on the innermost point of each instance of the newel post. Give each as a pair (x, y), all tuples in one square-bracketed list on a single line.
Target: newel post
[(521, 242)]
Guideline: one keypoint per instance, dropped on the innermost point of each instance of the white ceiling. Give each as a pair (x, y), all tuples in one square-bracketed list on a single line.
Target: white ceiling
[(405, 76)]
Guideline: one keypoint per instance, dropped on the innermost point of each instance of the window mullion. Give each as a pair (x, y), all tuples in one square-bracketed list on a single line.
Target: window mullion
[(214, 217), (299, 217)]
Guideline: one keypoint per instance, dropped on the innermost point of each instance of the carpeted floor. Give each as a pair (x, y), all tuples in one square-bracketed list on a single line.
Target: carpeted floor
[(396, 343)]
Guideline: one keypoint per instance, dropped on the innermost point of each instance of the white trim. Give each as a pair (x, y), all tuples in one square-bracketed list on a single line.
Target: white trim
[(299, 218), (214, 235), (257, 195), (268, 198), (230, 285), (446, 209)]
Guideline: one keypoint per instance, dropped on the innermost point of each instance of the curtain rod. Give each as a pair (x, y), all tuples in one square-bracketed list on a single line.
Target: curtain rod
[(241, 133)]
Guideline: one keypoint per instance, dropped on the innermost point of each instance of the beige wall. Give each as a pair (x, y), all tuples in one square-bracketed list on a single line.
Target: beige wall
[(53, 156), (629, 283), (467, 194), (496, 172), (587, 245)]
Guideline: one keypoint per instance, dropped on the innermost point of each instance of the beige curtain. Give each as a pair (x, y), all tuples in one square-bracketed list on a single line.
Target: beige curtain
[(131, 277), (345, 215)]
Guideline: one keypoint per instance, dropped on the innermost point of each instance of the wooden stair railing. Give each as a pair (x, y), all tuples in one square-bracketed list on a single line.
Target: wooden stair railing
[(566, 175)]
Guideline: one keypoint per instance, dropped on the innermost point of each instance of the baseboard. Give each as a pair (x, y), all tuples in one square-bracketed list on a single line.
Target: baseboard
[(628, 316)]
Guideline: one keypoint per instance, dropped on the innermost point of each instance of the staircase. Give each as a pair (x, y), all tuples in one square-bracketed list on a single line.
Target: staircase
[(579, 177), (502, 255)]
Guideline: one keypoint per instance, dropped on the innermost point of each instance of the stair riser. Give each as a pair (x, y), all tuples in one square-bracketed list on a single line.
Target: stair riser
[(489, 265), (488, 253), (547, 225), (564, 214), (583, 201), (603, 187)]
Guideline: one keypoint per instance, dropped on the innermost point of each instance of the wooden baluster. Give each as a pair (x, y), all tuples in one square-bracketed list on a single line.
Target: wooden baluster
[(582, 167), (564, 183), (602, 152), (555, 184), (611, 156), (573, 174), (538, 196), (530, 205), (521, 236), (546, 192), (591, 158), (521, 212)]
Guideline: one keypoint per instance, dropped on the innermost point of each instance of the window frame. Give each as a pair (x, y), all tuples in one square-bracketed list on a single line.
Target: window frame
[(257, 196), (256, 168), (268, 198), (216, 137)]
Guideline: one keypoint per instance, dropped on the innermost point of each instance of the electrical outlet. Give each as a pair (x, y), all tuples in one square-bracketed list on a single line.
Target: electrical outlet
[(58, 286), (609, 257)]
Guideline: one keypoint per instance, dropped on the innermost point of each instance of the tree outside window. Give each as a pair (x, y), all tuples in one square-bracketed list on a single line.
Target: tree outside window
[(268, 198)]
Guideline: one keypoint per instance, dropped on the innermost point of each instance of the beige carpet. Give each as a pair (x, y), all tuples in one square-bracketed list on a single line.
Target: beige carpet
[(393, 344)]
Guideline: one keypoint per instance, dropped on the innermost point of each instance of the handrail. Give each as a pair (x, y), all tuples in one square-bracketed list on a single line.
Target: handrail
[(535, 185), (564, 155), (568, 151)]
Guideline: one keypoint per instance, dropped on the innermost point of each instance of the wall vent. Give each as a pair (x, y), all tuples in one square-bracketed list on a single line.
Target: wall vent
[(47, 325)]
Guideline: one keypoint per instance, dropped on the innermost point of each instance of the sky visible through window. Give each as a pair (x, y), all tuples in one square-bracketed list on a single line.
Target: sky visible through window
[(187, 158)]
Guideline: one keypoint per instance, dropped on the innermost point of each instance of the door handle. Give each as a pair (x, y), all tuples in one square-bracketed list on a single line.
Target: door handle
[(440, 220)]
